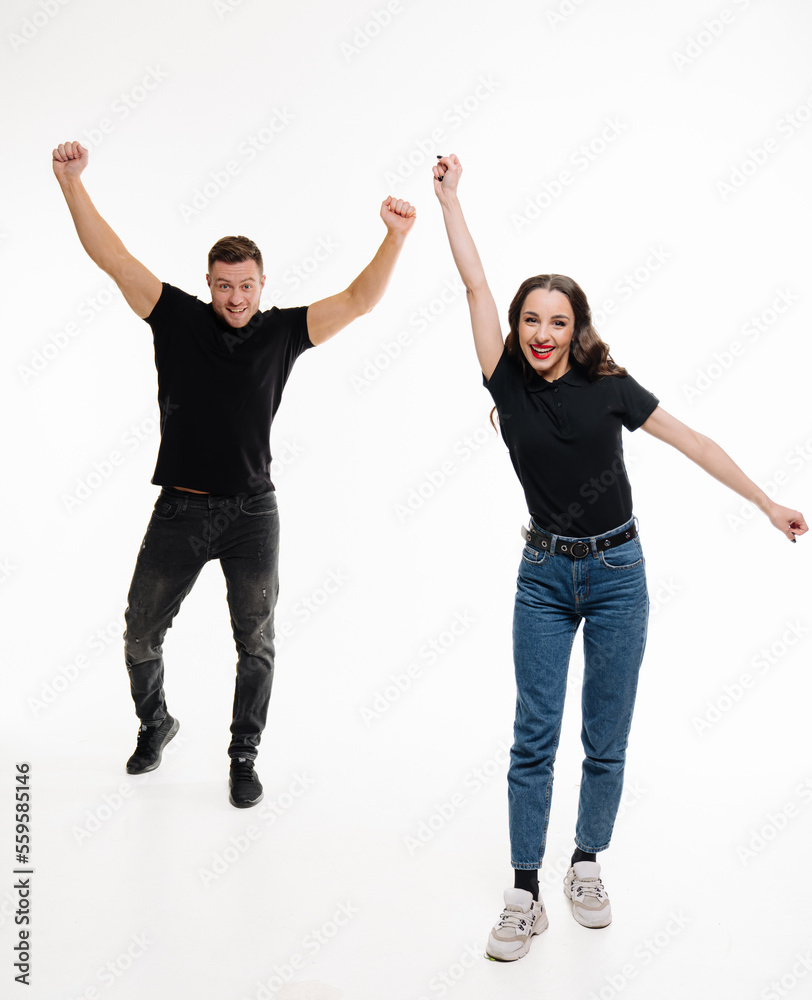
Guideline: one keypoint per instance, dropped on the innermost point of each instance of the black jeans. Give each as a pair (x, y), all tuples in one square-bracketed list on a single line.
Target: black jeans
[(185, 531)]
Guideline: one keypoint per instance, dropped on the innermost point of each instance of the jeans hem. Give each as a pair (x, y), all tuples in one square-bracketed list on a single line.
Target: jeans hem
[(591, 850)]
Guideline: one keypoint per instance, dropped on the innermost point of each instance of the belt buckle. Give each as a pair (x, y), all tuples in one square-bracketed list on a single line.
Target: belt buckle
[(579, 549)]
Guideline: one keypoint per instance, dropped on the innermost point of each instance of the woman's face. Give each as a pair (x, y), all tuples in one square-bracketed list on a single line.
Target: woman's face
[(546, 326)]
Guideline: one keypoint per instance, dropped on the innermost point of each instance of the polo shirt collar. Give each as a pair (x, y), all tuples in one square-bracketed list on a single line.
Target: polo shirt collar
[(575, 377)]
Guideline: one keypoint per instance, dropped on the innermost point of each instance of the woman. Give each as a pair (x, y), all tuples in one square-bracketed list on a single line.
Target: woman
[(562, 402)]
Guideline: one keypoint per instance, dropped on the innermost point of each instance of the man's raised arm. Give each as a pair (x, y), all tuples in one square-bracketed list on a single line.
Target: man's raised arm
[(139, 286), (326, 317)]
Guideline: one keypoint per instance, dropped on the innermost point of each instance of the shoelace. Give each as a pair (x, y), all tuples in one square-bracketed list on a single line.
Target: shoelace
[(146, 735), (589, 887), (242, 770), (513, 918)]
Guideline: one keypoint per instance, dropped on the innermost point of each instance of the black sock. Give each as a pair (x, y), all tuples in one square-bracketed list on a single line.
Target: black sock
[(527, 878), (580, 855)]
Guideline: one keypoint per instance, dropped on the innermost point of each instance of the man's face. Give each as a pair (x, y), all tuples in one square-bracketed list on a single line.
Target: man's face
[(235, 291)]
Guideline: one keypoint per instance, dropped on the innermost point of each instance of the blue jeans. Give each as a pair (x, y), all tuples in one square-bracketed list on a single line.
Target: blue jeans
[(554, 593), (185, 531)]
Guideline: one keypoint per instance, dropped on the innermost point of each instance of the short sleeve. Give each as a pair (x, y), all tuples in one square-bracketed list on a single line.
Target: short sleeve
[(501, 384), (297, 319), (289, 326), (169, 302), (636, 403)]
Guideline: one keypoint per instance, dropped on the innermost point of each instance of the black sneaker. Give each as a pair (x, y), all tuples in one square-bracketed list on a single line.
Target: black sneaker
[(246, 789), (151, 742)]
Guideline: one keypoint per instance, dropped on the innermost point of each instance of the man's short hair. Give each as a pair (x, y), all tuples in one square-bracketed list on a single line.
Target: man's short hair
[(234, 250)]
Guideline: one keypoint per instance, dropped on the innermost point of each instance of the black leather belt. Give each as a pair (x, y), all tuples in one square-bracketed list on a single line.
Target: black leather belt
[(575, 550)]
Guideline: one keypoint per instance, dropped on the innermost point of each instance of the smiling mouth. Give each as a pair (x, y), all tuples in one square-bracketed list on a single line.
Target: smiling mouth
[(542, 352)]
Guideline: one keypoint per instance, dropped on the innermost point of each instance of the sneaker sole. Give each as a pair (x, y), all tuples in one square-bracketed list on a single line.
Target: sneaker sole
[(245, 805), (541, 925), (151, 767), (593, 927)]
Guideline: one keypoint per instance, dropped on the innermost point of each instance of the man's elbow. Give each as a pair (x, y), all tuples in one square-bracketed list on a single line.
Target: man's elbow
[(359, 305)]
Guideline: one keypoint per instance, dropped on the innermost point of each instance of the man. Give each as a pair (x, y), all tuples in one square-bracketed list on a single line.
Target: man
[(221, 370)]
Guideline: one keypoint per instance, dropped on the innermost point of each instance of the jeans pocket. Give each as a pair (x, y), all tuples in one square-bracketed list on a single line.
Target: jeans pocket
[(166, 507), (260, 504), (625, 556), (534, 557)]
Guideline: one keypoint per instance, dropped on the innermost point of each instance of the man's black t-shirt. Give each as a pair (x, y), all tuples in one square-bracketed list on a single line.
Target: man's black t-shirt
[(565, 442), (218, 391)]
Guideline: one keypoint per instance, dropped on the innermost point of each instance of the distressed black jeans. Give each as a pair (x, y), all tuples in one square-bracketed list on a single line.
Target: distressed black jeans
[(185, 531)]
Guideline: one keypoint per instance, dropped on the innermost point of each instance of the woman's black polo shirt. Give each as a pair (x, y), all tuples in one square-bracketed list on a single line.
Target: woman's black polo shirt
[(565, 442), (218, 391)]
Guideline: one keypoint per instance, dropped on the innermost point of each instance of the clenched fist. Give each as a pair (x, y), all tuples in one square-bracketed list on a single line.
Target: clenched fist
[(70, 159)]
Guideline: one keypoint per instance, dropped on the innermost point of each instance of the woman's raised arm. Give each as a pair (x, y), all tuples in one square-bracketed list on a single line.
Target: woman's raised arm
[(484, 316)]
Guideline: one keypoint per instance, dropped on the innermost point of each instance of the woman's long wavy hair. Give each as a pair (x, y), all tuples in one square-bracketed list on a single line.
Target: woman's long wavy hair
[(586, 347)]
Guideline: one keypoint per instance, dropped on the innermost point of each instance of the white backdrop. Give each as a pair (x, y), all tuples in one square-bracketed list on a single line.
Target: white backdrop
[(660, 154)]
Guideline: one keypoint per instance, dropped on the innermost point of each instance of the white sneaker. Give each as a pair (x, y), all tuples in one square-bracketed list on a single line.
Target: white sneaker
[(590, 901), (521, 918)]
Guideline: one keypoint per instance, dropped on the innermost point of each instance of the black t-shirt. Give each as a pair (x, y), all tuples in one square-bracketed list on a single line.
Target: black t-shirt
[(564, 439), (218, 391)]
